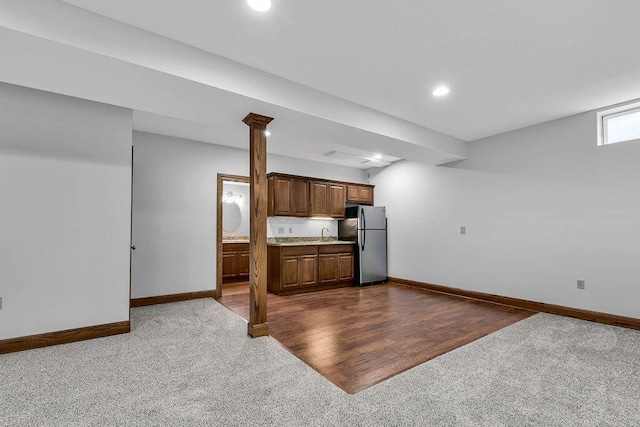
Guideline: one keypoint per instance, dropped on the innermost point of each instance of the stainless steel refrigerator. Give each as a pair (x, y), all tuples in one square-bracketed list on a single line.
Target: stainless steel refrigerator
[(367, 226)]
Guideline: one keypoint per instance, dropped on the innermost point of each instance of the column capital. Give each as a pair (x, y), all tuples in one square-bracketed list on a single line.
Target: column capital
[(253, 118)]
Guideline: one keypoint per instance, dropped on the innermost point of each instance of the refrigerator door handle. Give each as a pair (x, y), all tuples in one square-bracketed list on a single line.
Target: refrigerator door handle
[(364, 229)]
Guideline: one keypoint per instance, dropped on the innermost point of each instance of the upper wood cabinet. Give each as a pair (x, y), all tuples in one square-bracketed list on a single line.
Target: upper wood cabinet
[(291, 195), (288, 196), (337, 200), (327, 199), (300, 197), (362, 194), (319, 205)]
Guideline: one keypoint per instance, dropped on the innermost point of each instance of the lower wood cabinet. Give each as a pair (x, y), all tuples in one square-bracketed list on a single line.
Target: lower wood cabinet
[(298, 271), (295, 269), (235, 262), (328, 268), (345, 266)]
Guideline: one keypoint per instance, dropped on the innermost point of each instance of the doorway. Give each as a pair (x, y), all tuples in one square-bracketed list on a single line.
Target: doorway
[(232, 234)]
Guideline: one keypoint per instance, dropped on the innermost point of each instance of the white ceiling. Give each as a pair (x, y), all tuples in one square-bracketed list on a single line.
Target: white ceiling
[(182, 91), (509, 63), (353, 77)]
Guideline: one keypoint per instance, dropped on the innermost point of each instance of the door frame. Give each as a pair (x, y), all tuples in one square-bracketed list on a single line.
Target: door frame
[(221, 178), (131, 246)]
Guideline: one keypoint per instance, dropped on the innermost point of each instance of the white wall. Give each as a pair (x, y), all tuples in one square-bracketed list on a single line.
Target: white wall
[(543, 206), (300, 227), (174, 213), (64, 212)]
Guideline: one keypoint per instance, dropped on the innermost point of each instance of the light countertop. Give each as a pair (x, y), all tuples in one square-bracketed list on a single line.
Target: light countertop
[(311, 243)]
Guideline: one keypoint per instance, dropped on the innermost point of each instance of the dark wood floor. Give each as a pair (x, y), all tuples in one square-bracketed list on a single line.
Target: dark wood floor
[(357, 337)]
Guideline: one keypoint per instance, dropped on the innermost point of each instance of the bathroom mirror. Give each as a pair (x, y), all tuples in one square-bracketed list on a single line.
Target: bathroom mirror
[(231, 216)]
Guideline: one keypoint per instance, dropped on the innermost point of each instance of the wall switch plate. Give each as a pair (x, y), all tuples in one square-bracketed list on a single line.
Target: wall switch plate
[(290, 230), (280, 230), (580, 284), (463, 230)]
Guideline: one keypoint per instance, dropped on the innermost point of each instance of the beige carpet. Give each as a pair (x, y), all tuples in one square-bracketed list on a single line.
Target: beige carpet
[(191, 364)]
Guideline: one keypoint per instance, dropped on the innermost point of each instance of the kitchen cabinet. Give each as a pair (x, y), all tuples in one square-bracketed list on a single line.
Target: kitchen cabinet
[(337, 200), (299, 196), (304, 268), (335, 263), (299, 271), (235, 262), (361, 194), (327, 199), (288, 196), (346, 268), (328, 268), (291, 267)]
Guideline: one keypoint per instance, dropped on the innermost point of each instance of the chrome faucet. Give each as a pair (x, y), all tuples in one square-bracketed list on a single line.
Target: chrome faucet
[(322, 232)]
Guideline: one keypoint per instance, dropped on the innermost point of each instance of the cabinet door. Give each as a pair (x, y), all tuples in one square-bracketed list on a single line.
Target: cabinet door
[(243, 263), (337, 200), (345, 266), (361, 194), (290, 276), (319, 198), (328, 268), (308, 270), (300, 198), (282, 192), (366, 195), (229, 265), (353, 193)]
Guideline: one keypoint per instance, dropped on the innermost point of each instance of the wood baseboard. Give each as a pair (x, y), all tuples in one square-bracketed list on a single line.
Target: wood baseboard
[(296, 291), (163, 299), (593, 316), (63, 337)]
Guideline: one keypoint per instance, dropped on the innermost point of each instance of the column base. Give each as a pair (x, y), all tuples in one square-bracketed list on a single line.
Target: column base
[(259, 330)]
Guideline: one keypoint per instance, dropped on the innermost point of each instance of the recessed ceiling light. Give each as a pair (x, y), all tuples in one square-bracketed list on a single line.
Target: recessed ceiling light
[(377, 156), (440, 91), (260, 5), (267, 133)]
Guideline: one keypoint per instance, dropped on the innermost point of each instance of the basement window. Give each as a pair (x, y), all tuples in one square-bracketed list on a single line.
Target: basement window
[(619, 124)]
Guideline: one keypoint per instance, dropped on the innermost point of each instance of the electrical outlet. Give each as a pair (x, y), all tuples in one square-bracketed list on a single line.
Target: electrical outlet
[(280, 230), (463, 230), (290, 230), (580, 284), (0, 303)]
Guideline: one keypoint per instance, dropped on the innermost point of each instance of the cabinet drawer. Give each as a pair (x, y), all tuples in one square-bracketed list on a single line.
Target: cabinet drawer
[(235, 247), (335, 249), (299, 250)]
